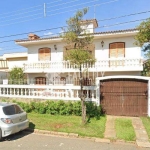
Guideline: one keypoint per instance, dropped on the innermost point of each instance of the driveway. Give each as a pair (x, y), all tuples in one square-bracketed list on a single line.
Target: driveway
[(32, 141)]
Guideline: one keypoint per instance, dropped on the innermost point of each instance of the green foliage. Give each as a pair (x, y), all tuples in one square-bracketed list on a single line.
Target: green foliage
[(93, 110), (146, 68), (16, 76), (75, 35), (60, 108), (143, 36)]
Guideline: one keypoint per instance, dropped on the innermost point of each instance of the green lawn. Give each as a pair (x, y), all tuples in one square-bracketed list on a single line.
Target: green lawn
[(124, 129), (146, 123), (69, 124)]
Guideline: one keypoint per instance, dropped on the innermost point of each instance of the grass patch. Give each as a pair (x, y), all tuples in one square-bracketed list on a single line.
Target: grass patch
[(124, 129), (69, 124), (146, 123)]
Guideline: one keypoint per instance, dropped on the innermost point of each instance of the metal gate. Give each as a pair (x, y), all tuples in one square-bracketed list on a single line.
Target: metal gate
[(124, 97)]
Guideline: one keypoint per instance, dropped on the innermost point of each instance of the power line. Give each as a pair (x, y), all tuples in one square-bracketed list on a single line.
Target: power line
[(52, 14), (12, 13), (125, 15), (98, 27), (21, 13), (28, 8), (54, 2), (66, 26), (75, 5), (20, 10), (32, 31), (80, 8), (63, 3), (21, 21), (22, 17)]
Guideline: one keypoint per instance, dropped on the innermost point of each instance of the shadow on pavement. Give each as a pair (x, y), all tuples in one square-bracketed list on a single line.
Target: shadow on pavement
[(20, 134), (16, 136)]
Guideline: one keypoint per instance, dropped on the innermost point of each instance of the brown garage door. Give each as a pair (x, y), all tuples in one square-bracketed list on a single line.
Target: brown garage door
[(124, 97)]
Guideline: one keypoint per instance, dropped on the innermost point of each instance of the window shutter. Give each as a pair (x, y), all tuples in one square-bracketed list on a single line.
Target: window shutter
[(44, 54), (47, 54), (41, 54), (120, 47), (113, 50), (117, 50)]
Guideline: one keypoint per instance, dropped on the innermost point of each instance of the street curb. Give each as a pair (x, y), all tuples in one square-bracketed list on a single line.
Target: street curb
[(74, 135), (52, 132)]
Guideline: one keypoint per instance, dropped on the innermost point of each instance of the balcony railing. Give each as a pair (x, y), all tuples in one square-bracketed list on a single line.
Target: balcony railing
[(119, 64), (3, 64)]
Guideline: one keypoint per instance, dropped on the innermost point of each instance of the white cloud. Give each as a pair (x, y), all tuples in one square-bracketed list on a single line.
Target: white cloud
[(61, 31), (48, 33)]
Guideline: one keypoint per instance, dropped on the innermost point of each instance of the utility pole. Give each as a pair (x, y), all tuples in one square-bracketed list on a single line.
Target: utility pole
[(94, 11), (44, 9)]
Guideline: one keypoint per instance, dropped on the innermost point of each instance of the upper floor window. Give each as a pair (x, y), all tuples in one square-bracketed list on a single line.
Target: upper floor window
[(116, 50), (44, 54)]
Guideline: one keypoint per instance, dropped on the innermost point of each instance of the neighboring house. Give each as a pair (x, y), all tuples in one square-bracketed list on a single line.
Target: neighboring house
[(114, 51), (9, 61)]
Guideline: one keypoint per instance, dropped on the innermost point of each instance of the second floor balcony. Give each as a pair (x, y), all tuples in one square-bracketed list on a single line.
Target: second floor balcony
[(111, 64)]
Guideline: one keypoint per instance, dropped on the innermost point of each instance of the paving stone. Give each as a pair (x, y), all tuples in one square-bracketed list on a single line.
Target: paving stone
[(102, 140), (142, 139), (143, 143)]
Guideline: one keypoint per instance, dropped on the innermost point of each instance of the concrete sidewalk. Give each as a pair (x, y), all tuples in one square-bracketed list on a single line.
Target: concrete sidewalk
[(142, 139)]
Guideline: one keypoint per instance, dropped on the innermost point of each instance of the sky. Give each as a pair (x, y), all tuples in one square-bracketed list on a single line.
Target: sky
[(45, 18)]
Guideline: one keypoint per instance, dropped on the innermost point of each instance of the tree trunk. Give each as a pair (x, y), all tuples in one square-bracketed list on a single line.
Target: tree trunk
[(82, 97)]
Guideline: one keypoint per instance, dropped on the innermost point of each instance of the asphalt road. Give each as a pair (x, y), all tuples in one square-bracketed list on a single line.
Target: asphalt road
[(31, 141)]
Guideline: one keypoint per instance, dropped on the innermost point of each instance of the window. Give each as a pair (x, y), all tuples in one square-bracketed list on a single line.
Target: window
[(44, 54), (40, 80), (117, 50), (12, 110)]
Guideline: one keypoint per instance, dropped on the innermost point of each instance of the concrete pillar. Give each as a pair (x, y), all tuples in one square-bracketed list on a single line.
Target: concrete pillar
[(98, 91), (148, 98)]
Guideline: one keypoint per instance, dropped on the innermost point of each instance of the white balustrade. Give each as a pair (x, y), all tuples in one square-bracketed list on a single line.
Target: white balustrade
[(47, 92), (108, 64)]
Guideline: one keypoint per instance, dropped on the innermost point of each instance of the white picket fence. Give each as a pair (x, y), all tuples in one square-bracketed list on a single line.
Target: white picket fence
[(48, 92)]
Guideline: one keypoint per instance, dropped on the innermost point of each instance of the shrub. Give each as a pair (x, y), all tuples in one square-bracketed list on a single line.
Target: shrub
[(61, 108)]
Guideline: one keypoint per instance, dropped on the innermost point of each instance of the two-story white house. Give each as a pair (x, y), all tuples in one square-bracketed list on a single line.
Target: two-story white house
[(114, 51)]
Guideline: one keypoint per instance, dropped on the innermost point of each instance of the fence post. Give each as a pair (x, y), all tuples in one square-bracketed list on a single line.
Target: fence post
[(98, 91)]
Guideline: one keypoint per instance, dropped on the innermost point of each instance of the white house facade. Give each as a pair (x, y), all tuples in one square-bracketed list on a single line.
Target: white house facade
[(114, 51)]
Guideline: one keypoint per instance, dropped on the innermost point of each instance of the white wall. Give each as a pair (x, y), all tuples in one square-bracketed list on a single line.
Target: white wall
[(16, 63), (131, 51), (56, 55)]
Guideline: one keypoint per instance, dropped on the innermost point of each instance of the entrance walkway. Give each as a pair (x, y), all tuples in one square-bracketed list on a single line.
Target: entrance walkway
[(142, 139)]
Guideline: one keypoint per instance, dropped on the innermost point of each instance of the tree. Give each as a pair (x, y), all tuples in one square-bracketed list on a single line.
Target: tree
[(77, 42), (16, 76), (146, 65), (143, 39), (143, 36)]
